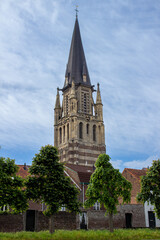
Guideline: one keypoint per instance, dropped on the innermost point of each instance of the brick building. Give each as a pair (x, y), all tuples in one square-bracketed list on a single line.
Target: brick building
[(133, 175), (129, 215)]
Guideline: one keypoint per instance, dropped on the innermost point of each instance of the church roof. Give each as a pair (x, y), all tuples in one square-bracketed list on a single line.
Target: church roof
[(83, 172), (137, 173), (76, 66)]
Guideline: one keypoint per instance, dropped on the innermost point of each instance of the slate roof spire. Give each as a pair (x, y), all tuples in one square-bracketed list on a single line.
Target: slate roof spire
[(76, 69)]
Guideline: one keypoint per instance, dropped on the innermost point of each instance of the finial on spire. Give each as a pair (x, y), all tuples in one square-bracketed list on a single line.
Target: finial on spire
[(98, 100), (57, 90), (76, 11)]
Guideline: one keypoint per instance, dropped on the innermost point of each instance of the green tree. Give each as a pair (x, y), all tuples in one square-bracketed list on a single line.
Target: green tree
[(48, 183), (12, 191), (106, 186), (150, 187)]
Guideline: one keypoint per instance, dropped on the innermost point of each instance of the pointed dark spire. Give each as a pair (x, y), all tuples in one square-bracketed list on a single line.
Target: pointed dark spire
[(76, 66)]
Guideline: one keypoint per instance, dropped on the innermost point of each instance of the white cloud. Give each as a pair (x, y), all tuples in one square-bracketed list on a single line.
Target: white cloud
[(117, 164), (141, 164)]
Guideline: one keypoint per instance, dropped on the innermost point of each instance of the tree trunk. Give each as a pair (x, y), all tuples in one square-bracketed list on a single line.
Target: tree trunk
[(51, 224), (111, 222)]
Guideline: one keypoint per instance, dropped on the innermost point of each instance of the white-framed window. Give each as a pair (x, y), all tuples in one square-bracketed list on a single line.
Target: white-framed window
[(96, 206), (4, 208), (63, 209)]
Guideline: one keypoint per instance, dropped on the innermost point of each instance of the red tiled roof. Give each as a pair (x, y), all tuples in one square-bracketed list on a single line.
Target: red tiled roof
[(133, 176), (73, 175), (137, 173), (78, 174), (23, 171)]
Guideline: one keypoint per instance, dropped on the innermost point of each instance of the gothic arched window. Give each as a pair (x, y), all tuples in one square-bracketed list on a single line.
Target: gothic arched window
[(68, 131), (72, 125), (94, 132), (64, 134), (60, 135), (87, 128), (99, 134), (72, 106), (67, 104), (85, 103), (81, 130)]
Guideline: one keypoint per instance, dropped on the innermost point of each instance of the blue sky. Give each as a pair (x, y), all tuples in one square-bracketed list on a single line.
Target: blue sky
[(121, 40)]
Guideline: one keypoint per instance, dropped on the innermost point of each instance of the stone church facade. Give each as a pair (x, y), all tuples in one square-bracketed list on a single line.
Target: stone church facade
[(78, 123)]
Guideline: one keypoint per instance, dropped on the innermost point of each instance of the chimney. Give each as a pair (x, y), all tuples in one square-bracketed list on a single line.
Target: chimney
[(144, 168), (25, 166)]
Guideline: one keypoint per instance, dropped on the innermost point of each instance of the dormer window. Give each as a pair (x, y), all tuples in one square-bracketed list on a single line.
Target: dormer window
[(66, 80), (84, 78)]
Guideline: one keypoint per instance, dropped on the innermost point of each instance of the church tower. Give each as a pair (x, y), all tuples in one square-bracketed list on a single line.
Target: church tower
[(78, 123)]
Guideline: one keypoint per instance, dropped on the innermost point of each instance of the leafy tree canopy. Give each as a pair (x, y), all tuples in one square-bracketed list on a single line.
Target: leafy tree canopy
[(11, 186), (106, 186), (150, 187), (48, 183)]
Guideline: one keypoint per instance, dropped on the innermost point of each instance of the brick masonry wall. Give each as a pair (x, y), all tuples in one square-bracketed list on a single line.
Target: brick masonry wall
[(138, 215), (41, 222), (70, 221), (16, 223), (62, 220), (11, 223), (98, 220), (65, 220)]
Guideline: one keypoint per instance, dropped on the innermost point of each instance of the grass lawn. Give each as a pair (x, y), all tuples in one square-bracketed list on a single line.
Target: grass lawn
[(120, 234)]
